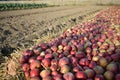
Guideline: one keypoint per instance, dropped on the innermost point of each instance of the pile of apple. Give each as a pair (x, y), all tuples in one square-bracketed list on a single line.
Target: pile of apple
[(88, 51)]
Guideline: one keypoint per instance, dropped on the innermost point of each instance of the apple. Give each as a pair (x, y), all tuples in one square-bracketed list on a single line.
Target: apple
[(69, 76), (35, 64), (35, 78), (63, 61), (39, 58), (44, 46), (84, 61), (117, 77), (34, 73), (112, 67), (99, 77), (103, 62), (44, 73), (27, 75), (24, 59), (81, 75), (31, 59), (109, 75), (98, 69), (47, 78), (25, 67), (90, 73), (64, 69), (92, 64), (49, 55), (53, 67), (46, 62), (28, 53), (54, 48)]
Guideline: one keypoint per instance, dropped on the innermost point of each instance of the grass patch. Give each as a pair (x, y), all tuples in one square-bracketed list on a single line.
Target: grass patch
[(18, 6)]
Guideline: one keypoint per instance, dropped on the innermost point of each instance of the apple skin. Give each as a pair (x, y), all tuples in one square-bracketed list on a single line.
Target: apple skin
[(24, 59), (84, 62), (28, 53), (63, 61), (39, 58), (25, 67), (69, 76), (34, 73), (54, 48), (54, 62), (81, 75), (76, 69), (98, 70), (103, 62), (46, 62), (31, 59), (35, 64), (44, 46), (35, 78), (27, 74), (116, 57), (47, 78), (109, 75), (117, 77), (113, 67), (99, 77), (49, 55), (90, 73), (44, 73), (92, 64), (64, 69), (53, 67)]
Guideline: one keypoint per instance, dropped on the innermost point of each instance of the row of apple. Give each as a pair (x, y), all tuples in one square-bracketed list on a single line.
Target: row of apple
[(88, 51)]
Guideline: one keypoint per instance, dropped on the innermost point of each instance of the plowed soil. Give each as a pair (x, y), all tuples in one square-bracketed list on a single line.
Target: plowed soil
[(19, 28)]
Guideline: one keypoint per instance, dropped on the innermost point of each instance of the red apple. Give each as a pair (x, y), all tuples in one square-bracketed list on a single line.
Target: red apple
[(84, 61), (27, 75), (117, 77), (54, 48), (25, 67), (63, 61), (31, 59), (28, 53), (53, 67), (35, 78), (47, 78), (69, 76), (24, 59), (35, 64), (46, 62), (34, 73), (81, 75), (99, 77), (50, 56), (92, 64), (39, 58)]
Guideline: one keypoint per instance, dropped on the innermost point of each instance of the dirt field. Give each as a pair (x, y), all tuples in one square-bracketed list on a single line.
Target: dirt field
[(21, 28)]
